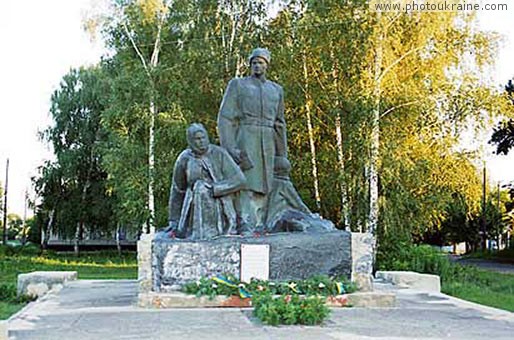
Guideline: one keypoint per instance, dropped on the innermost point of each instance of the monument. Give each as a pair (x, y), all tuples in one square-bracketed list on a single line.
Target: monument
[(226, 197)]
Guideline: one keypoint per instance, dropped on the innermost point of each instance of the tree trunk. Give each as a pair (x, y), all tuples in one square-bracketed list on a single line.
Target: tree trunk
[(345, 218), (154, 61), (151, 169), (118, 243), (76, 240), (375, 135), (308, 101), (47, 229)]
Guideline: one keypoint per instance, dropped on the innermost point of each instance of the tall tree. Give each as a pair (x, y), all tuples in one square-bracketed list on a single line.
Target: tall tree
[(503, 135), (76, 135)]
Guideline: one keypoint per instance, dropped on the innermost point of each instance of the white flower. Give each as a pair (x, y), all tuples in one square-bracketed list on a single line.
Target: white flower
[(241, 285), (198, 282), (321, 285), (272, 283), (214, 285)]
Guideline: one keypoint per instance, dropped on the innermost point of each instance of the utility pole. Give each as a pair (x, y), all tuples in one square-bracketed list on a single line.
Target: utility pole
[(484, 237), (5, 202), (24, 229)]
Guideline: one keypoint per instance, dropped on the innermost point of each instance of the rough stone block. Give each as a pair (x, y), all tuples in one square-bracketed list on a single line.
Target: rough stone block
[(37, 289), (372, 299), (413, 280), (292, 256), (4, 335), (40, 282), (144, 260), (362, 260)]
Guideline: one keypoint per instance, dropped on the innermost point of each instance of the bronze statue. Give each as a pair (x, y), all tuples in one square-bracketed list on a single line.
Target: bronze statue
[(252, 128), (242, 187), (204, 177)]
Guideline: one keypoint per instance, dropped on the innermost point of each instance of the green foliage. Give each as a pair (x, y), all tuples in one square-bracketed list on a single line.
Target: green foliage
[(323, 54), (290, 309), (7, 292), (317, 285), (208, 287), (421, 259), (73, 188), (466, 282), (503, 135)]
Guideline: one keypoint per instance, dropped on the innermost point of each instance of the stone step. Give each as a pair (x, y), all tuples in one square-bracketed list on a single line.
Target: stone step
[(182, 300), (412, 280)]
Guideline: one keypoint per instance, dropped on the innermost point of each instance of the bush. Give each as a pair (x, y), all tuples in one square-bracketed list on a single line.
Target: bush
[(421, 259), (15, 248), (290, 309)]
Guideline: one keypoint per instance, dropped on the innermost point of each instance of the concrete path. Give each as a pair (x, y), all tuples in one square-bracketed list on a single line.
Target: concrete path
[(506, 268), (105, 310)]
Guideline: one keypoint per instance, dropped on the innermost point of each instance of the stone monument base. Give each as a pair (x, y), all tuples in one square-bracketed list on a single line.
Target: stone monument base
[(182, 300), (165, 265)]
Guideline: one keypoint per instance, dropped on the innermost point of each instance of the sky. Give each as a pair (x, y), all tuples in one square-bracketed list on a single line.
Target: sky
[(41, 40)]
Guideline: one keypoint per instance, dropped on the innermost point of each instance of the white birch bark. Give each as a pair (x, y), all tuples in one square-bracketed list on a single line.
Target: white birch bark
[(375, 133), (308, 101), (345, 217), (154, 61)]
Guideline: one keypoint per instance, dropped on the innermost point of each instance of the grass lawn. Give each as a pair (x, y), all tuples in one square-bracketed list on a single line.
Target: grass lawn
[(484, 287), (90, 265)]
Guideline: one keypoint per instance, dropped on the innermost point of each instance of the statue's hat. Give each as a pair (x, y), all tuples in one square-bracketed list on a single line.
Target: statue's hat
[(262, 53)]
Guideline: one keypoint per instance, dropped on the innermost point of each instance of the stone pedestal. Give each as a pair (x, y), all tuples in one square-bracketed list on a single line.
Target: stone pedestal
[(165, 265), (293, 256)]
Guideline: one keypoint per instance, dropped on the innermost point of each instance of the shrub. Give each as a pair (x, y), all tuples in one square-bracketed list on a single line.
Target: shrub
[(290, 309), (421, 259)]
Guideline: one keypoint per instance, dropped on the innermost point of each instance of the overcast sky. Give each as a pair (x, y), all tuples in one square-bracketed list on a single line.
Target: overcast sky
[(41, 40)]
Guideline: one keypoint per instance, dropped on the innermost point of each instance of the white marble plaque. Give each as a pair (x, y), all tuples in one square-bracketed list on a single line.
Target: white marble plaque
[(254, 262)]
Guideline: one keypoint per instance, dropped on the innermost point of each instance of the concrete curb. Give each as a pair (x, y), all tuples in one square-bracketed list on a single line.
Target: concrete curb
[(412, 280)]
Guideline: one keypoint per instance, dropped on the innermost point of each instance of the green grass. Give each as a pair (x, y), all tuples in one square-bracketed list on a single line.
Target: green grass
[(502, 256), (9, 308), (499, 293), (90, 265), (465, 282)]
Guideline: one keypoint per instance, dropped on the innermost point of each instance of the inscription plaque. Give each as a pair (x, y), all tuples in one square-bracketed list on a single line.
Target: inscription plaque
[(254, 262)]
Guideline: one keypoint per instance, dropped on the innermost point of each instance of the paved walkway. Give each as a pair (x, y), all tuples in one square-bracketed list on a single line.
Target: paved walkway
[(491, 265), (105, 310)]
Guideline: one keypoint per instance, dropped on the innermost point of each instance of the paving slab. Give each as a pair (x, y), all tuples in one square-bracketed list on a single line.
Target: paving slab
[(107, 310)]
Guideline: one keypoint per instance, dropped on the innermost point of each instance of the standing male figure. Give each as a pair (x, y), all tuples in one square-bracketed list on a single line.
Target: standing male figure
[(252, 128)]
